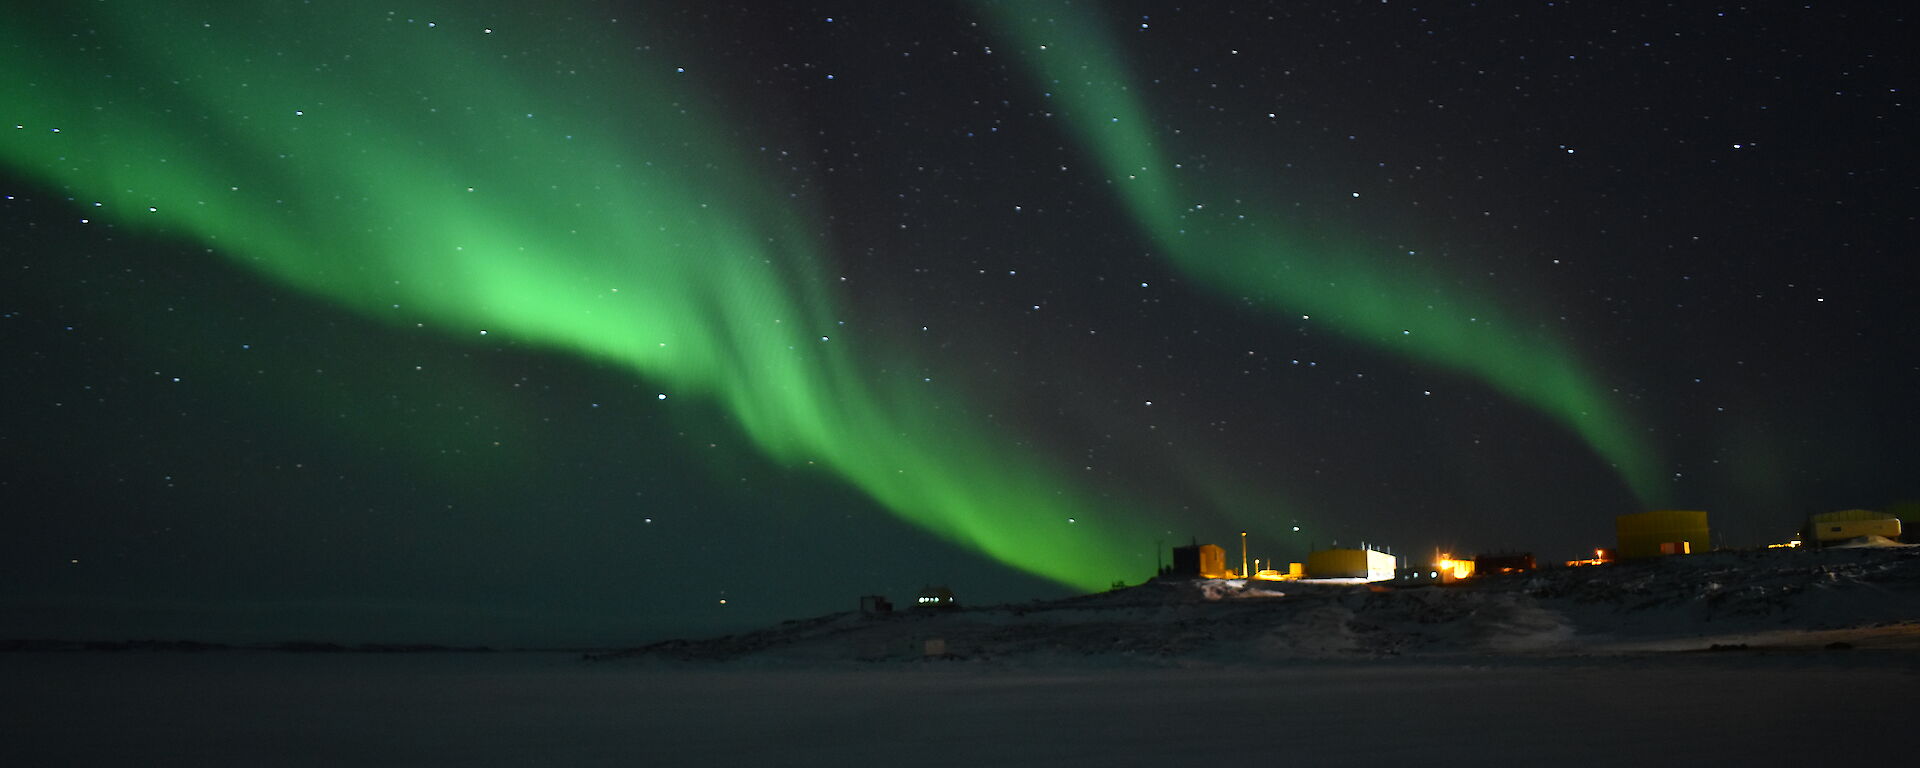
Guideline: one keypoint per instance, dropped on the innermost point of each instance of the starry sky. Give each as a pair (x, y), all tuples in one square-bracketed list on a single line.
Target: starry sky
[(597, 323)]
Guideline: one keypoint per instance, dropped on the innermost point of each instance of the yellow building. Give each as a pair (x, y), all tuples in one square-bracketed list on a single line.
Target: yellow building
[(1213, 561), (1206, 561), (1369, 564), (1846, 524), (1661, 532)]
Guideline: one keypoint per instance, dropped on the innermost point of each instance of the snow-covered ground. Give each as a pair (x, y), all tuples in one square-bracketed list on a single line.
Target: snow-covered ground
[(1694, 602), (1733, 658), (282, 709)]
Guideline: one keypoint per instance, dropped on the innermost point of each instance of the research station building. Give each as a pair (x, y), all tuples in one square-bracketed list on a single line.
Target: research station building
[(1835, 527), (1368, 563), (1661, 532)]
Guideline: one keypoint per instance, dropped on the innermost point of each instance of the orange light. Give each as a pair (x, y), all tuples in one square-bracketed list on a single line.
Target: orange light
[(1599, 558), (1454, 570)]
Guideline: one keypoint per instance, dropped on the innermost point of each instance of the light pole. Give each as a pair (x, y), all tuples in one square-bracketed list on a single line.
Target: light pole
[(1243, 554)]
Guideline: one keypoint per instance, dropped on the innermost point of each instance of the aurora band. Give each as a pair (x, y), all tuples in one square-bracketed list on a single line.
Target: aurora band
[(1400, 307), (493, 171)]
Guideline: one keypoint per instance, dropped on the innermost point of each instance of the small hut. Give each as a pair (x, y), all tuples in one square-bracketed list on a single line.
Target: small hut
[(1202, 561)]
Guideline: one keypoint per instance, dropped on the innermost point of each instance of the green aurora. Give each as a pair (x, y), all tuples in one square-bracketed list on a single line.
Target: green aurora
[(440, 174), (1238, 248), (462, 176)]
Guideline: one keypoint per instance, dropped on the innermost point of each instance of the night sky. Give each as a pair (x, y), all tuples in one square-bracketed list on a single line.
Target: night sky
[(605, 322)]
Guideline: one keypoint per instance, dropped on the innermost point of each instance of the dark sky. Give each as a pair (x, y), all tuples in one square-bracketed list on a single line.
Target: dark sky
[(609, 322)]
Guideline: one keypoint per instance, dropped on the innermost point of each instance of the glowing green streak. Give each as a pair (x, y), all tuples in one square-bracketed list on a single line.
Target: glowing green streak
[(535, 184), (1396, 306)]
